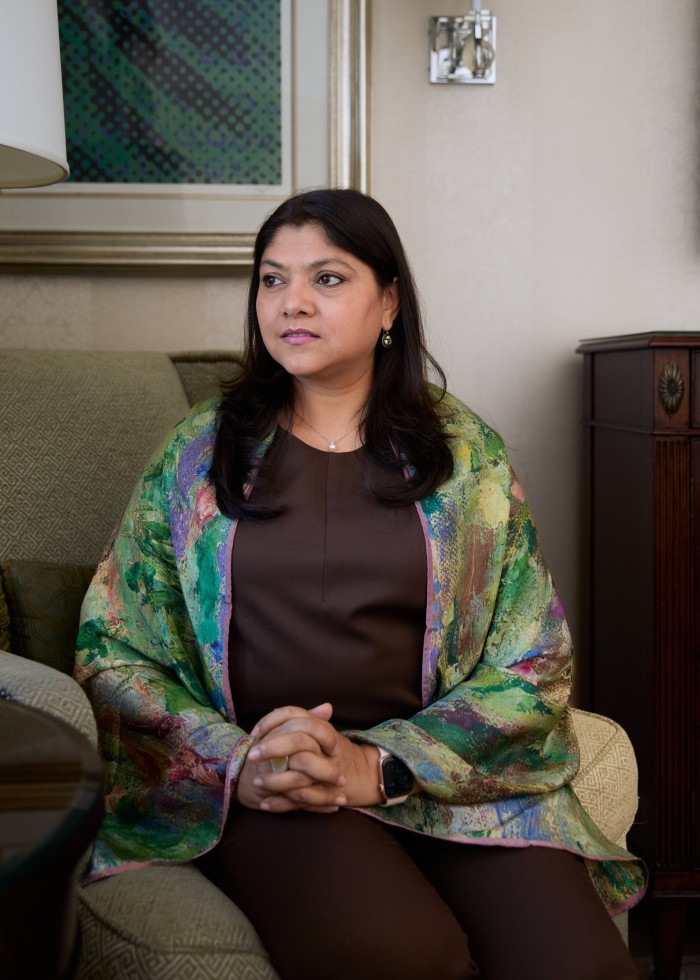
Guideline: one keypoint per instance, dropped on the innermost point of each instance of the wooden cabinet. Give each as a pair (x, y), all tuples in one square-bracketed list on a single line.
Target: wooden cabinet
[(642, 609)]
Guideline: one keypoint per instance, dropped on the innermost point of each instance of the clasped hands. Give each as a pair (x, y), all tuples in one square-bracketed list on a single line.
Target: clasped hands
[(326, 770)]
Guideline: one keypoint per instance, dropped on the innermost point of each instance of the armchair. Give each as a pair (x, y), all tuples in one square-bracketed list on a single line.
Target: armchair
[(77, 428)]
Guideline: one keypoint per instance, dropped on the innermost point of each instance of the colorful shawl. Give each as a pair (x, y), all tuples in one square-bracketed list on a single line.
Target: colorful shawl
[(493, 748)]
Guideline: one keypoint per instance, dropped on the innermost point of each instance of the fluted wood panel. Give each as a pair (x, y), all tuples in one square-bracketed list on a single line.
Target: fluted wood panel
[(673, 663)]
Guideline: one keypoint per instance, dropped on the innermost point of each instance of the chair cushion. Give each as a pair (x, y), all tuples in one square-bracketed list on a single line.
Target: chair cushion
[(44, 600), (606, 782), (201, 372), (166, 923)]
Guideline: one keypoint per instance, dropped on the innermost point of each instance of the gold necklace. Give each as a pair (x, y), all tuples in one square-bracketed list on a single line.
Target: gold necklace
[(332, 443)]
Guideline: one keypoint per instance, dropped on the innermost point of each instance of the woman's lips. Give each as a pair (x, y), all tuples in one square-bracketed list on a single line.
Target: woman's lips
[(297, 337)]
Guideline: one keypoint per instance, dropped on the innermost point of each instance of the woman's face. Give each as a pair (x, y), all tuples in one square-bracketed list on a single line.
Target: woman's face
[(320, 309)]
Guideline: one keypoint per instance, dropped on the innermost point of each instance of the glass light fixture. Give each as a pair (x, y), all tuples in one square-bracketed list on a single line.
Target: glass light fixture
[(463, 48)]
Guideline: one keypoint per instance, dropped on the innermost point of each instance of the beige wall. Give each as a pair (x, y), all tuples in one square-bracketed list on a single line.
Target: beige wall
[(559, 204)]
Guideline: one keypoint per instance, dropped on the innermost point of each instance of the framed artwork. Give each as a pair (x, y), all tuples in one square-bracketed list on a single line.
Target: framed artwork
[(185, 125)]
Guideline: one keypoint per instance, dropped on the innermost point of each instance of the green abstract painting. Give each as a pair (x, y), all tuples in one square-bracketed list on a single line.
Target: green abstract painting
[(173, 91)]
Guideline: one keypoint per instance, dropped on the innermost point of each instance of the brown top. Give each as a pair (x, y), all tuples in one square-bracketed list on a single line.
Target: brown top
[(329, 596)]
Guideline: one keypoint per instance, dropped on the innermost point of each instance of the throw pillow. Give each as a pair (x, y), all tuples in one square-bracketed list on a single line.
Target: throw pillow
[(44, 601)]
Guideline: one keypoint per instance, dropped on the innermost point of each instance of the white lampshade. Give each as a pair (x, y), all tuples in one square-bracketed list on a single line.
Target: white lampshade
[(32, 132)]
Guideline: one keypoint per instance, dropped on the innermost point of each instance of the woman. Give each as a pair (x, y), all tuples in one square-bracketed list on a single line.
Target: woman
[(278, 699)]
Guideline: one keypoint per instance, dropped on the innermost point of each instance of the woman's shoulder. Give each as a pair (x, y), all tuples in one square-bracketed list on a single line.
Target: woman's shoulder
[(190, 442), (198, 424), (201, 420), (464, 427)]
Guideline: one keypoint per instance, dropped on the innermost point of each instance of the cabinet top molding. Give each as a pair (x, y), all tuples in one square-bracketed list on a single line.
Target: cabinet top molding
[(637, 341)]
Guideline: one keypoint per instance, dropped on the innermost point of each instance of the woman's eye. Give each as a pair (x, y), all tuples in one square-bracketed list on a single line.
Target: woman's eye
[(270, 280), (329, 279)]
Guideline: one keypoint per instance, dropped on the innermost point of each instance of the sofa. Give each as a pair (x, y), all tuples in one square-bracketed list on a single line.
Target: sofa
[(77, 427)]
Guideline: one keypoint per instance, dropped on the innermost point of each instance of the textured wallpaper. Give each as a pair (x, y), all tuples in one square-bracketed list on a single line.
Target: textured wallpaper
[(105, 313)]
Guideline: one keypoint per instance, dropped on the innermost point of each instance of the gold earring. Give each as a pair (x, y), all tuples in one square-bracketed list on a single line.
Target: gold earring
[(387, 340)]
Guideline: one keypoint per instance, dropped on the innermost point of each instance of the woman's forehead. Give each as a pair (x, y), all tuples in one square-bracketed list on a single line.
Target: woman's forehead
[(307, 245)]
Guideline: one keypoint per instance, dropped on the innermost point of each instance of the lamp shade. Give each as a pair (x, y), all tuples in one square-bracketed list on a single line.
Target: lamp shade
[(32, 132)]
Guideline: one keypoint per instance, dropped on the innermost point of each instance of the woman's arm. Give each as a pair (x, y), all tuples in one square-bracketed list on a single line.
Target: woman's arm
[(504, 729), (170, 755)]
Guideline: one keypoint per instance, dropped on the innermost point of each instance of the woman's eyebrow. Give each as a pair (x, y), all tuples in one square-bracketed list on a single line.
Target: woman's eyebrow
[(317, 264)]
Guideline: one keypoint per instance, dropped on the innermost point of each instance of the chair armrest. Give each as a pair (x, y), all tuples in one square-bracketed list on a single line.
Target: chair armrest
[(34, 684), (606, 783)]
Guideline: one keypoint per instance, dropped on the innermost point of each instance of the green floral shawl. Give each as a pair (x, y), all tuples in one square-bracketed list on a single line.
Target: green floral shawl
[(493, 748)]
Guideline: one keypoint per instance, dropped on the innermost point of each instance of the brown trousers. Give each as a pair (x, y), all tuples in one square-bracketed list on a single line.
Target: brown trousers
[(344, 897)]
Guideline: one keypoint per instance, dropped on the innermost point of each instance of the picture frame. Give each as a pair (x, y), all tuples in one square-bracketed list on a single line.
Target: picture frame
[(200, 229)]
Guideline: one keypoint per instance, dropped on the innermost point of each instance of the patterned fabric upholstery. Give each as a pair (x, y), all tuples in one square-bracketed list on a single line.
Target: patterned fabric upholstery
[(201, 373), (606, 783), (78, 427), (48, 690), (164, 923), (44, 600)]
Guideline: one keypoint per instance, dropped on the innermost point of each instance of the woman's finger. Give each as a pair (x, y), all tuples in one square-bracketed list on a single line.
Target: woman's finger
[(280, 715), (314, 798), (280, 804), (293, 737), (306, 769), (281, 782)]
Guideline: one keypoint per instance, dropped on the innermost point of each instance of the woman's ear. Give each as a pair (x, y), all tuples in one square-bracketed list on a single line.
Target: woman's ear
[(391, 304)]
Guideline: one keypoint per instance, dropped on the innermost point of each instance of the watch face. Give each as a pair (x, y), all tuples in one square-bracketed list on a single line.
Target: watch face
[(398, 779)]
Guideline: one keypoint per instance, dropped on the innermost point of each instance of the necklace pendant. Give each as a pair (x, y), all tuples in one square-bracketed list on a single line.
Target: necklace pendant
[(331, 447)]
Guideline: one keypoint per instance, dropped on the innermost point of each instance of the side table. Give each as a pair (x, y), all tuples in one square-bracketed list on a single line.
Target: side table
[(50, 811)]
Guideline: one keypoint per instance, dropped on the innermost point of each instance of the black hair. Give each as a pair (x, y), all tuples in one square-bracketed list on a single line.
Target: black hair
[(401, 424)]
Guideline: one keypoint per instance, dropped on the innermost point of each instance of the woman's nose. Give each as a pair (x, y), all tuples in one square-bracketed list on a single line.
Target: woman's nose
[(298, 299)]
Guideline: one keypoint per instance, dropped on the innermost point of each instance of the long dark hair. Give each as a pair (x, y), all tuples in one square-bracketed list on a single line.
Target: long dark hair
[(401, 424)]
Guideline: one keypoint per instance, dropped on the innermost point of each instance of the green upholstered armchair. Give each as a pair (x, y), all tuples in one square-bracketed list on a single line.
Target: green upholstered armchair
[(76, 429)]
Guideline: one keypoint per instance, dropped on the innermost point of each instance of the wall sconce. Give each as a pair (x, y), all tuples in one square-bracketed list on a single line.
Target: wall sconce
[(463, 49)]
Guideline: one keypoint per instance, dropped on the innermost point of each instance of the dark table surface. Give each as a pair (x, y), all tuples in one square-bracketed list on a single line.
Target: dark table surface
[(50, 810)]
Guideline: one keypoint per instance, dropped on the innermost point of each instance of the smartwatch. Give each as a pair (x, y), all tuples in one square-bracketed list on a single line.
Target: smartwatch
[(395, 779)]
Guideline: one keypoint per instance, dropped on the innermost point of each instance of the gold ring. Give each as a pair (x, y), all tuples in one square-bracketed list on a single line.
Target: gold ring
[(279, 763)]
